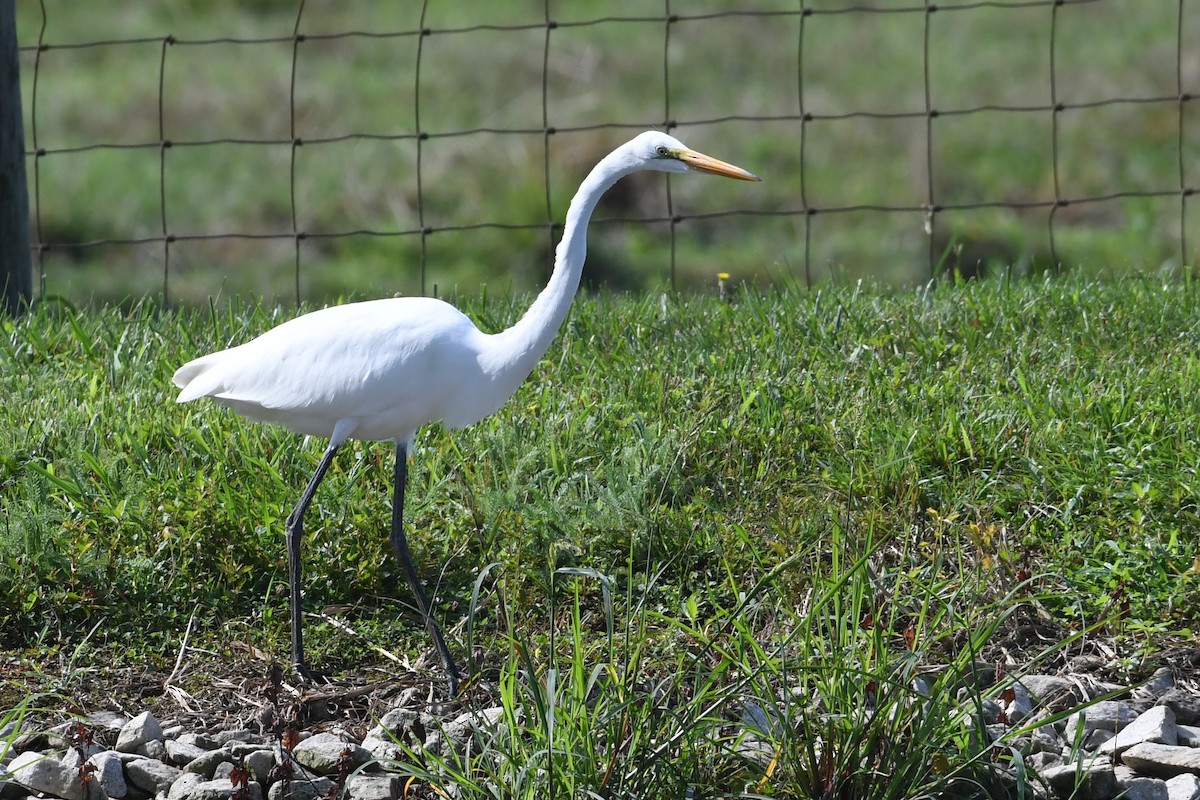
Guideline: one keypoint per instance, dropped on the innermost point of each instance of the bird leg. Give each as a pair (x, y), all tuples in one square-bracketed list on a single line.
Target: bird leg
[(400, 546), (295, 527)]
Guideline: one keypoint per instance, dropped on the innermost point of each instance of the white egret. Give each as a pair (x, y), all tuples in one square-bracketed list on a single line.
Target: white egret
[(379, 370)]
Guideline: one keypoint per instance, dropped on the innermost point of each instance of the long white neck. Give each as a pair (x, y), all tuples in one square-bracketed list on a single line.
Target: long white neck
[(517, 350)]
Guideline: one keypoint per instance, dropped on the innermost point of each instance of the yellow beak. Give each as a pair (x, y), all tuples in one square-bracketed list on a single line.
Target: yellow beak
[(713, 166)]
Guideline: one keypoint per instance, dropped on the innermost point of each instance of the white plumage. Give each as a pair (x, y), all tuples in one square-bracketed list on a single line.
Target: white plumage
[(381, 369)]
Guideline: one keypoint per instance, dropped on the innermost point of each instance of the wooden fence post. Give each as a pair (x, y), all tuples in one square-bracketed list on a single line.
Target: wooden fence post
[(16, 275)]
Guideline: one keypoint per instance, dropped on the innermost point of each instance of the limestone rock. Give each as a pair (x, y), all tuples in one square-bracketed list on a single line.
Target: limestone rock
[(110, 772), (323, 753), (47, 774), (1184, 787), (1106, 715), (1162, 760), (300, 789), (221, 789), (182, 753), (150, 775), (1157, 725), (1096, 781), (139, 730), (1185, 705), (373, 787)]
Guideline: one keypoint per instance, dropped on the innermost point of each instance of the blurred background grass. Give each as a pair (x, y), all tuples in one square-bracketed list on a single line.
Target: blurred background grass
[(611, 75)]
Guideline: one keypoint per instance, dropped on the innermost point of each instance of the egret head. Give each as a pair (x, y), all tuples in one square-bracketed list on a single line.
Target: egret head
[(658, 151)]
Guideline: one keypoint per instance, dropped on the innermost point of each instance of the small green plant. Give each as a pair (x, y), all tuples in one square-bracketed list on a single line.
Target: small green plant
[(849, 670)]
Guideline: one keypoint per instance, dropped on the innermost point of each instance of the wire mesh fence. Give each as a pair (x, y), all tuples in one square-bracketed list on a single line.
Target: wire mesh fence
[(301, 149)]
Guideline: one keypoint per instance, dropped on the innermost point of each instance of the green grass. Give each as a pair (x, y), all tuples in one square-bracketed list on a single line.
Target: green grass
[(493, 78), (1046, 427), (691, 504)]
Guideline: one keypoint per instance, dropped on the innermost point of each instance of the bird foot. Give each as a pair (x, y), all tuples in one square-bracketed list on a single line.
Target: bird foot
[(311, 676)]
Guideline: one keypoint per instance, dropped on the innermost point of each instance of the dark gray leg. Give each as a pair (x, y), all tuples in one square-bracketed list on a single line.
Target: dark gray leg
[(400, 546), (295, 527)]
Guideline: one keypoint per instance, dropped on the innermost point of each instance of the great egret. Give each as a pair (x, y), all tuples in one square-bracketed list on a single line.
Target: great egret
[(379, 370)]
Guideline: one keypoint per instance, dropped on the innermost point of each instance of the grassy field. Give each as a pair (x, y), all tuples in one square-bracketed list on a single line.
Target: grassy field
[(716, 497), (608, 74)]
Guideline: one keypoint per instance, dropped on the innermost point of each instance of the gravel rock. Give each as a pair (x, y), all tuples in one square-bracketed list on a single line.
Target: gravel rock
[(110, 771), (198, 740), (220, 789), (182, 753), (301, 789), (323, 753), (1185, 705), (1187, 735), (373, 787), (1134, 787), (184, 784), (1162, 760), (241, 735), (206, 763), (1055, 692), (1107, 715), (150, 775), (1184, 787), (154, 748), (1094, 782), (1018, 705), (139, 730), (259, 765), (42, 773), (107, 722), (404, 724), (1157, 725), (1156, 753)]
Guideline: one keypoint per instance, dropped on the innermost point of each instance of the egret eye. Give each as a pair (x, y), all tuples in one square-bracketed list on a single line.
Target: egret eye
[(662, 150)]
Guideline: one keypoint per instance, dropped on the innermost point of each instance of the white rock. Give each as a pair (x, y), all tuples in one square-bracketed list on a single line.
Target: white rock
[(41, 773), (1144, 789), (1019, 707), (1186, 705), (139, 730), (154, 748), (184, 784), (207, 762), (181, 753), (1155, 725), (1096, 739), (259, 765), (1161, 682), (1093, 782), (373, 787), (198, 740), (150, 775), (107, 720), (1046, 688), (240, 735), (1107, 715), (220, 789), (111, 773), (382, 749), (1162, 760), (405, 724), (1041, 761), (323, 752), (77, 755), (1184, 787), (301, 789), (1187, 735)]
